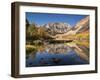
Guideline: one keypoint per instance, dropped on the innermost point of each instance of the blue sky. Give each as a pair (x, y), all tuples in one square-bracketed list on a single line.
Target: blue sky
[(44, 18)]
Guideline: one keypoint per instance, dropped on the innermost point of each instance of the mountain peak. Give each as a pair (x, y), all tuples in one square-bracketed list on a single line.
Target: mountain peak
[(57, 27)]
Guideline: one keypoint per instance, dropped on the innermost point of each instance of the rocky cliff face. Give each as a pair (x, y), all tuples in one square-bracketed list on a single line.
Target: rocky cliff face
[(83, 25), (57, 28)]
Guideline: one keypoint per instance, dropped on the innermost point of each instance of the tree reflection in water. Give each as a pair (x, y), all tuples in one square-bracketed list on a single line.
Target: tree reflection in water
[(59, 54)]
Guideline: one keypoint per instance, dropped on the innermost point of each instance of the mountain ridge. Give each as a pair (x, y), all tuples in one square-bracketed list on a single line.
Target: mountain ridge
[(61, 30)]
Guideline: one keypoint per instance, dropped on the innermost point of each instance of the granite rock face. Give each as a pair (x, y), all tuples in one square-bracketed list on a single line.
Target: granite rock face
[(57, 28)]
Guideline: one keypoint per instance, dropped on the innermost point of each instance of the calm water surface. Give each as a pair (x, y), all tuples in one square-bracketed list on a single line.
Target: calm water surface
[(59, 54)]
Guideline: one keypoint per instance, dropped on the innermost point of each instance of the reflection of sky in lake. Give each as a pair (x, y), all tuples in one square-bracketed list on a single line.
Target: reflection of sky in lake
[(52, 59)]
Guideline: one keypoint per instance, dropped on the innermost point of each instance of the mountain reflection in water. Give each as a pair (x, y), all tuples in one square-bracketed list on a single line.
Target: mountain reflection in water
[(59, 54)]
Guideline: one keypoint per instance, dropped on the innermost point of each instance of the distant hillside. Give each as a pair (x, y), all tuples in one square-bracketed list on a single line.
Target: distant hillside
[(82, 27), (59, 30)]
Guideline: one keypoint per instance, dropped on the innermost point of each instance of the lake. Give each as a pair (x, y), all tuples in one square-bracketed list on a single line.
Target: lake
[(59, 54)]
